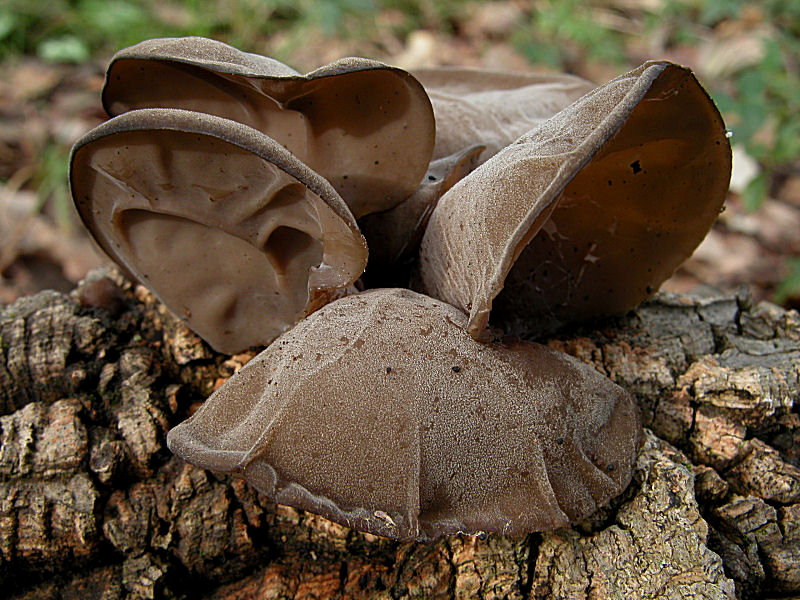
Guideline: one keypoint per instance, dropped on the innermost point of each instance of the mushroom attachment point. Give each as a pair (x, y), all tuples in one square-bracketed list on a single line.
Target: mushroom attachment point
[(457, 436), (226, 227), (394, 235), (366, 127), (586, 214)]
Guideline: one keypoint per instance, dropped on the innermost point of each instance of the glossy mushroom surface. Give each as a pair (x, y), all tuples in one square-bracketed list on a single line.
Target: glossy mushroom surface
[(588, 213), (364, 126), (493, 108), (381, 413), (226, 227)]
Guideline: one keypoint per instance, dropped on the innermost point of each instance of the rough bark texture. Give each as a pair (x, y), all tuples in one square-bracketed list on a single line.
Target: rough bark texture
[(92, 505)]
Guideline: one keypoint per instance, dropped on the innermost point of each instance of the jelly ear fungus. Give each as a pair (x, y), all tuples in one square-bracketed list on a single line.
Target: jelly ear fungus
[(394, 235), (588, 213), (493, 108), (364, 126), (381, 413), (228, 229)]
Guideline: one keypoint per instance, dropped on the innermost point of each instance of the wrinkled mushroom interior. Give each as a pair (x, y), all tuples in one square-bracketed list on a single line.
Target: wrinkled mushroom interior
[(355, 128), (228, 240), (629, 218)]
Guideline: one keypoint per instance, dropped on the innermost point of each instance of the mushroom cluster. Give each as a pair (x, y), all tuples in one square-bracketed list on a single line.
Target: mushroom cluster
[(258, 203)]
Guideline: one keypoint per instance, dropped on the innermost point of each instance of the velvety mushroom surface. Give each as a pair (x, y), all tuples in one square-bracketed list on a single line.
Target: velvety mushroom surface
[(366, 127), (224, 225), (394, 235), (381, 413), (493, 108), (588, 213)]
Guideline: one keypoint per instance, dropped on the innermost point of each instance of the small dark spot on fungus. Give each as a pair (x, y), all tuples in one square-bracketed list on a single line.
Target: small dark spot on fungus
[(456, 368), (559, 440), (636, 167), (388, 369), (610, 467)]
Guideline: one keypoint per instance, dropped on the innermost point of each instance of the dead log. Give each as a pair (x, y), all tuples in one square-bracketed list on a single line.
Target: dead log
[(92, 505)]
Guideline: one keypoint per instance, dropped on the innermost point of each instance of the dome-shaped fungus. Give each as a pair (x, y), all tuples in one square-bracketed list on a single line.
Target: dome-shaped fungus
[(364, 126), (588, 213), (224, 225), (381, 413)]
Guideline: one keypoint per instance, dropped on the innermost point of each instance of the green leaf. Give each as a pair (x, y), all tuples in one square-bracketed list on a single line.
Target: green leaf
[(714, 11), (63, 49), (787, 142), (756, 192), (791, 285), (8, 22), (125, 22)]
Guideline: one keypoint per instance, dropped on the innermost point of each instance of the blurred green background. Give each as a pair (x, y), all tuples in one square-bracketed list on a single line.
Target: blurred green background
[(747, 54)]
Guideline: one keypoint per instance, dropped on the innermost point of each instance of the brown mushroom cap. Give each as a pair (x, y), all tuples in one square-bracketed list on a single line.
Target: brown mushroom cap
[(587, 214), (493, 108), (228, 229), (381, 413), (366, 127)]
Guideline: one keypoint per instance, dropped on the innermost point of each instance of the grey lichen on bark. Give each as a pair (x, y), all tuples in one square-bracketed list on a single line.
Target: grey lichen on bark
[(92, 505), (656, 542)]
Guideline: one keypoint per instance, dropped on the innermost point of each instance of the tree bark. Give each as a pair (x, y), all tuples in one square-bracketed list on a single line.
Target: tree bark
[(92, 504)]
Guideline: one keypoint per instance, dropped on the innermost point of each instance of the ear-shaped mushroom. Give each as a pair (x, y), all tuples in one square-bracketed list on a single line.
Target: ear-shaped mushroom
[(228, 228), (587, 214), (394, 235), (493, 108), (381, 413), (366, 127)]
